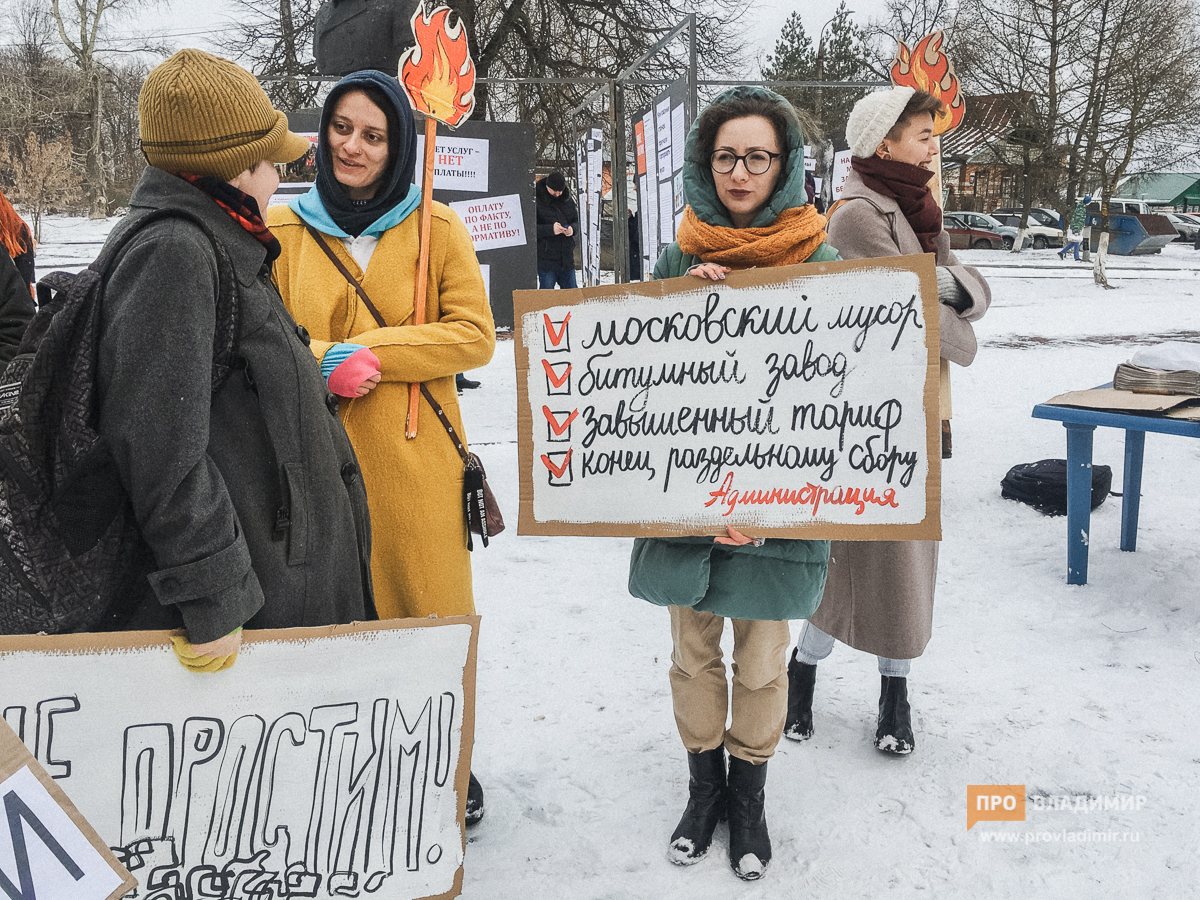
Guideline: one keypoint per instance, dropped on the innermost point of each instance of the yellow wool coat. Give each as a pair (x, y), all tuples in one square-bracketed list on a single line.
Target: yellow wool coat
[(419, 562)]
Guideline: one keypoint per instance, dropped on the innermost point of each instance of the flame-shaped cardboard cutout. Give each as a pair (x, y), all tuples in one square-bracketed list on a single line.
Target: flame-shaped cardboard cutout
[(437, 72), (927, 68)]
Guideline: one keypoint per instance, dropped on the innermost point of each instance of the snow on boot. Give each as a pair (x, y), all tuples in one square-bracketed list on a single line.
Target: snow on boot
[(802, 678), (894, 732), (749, 843), (474, 800), (706, 807)]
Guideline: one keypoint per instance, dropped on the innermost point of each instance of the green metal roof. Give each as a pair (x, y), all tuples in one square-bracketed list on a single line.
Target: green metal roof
[(1161, 188)]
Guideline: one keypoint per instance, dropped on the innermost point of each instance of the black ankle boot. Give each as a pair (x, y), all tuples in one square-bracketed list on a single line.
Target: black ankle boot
[(474, 800), (802, 678), (894, 733), (706, 807), (749, 842)]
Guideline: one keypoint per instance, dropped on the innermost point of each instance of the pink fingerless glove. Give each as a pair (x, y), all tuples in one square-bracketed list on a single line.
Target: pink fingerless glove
[(350, 373)]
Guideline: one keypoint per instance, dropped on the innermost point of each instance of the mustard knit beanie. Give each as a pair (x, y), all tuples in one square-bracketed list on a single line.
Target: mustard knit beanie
[(205, 115)]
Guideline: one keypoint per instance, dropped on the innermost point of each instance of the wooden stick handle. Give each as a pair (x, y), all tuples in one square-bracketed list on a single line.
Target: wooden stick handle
[(422, 274)]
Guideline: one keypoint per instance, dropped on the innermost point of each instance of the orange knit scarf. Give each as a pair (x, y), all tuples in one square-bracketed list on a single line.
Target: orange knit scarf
[(792, 238)]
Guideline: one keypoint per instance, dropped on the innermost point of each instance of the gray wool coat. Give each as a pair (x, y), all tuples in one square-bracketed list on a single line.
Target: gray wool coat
[(209, 474), (879, 594)]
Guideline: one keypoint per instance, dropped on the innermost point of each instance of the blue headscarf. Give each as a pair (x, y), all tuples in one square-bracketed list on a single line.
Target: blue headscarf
[(326, 207)]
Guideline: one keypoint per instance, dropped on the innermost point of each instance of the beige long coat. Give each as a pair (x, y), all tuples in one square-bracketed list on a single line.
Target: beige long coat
[(879, 595)]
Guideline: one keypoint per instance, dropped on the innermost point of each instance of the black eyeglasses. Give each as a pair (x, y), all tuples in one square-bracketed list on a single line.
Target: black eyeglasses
[(757, 162)]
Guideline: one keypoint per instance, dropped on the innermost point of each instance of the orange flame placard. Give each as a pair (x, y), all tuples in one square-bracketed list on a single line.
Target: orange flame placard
[(927, 68), (437, 71)]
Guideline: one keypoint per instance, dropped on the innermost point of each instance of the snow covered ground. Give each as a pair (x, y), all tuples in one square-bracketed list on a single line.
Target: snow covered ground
[(1079, 692)]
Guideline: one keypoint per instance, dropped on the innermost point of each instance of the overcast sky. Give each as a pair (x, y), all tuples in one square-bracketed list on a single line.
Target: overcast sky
[(189, 23)]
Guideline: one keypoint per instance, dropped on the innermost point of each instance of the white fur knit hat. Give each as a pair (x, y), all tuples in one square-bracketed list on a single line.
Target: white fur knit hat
[(873, 117)]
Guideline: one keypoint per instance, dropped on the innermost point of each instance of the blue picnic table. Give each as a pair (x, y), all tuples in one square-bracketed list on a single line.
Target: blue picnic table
[(1080, 423)]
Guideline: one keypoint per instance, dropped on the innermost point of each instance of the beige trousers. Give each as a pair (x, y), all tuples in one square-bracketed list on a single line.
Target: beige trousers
[(701, 694)]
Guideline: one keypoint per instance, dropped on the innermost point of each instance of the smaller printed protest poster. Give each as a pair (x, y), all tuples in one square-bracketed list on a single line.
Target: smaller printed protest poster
[(493, 221), (460, 164), (798, 401), (841, 170), (47, 849)]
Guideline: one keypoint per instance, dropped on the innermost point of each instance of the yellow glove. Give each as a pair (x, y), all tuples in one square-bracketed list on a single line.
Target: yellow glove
[(196, 662)]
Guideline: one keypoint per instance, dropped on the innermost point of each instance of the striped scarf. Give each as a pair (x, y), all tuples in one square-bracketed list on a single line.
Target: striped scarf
[(242, 208)]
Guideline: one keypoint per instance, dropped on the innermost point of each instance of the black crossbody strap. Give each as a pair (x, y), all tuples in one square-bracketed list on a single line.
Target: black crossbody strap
[(437, 407), (445, 420), (362, 295)]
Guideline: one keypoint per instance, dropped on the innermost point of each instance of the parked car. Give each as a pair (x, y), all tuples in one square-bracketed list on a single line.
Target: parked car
[(1186, 228), (1007, 233), (963, 236), (1043, 225), (1190, 217)]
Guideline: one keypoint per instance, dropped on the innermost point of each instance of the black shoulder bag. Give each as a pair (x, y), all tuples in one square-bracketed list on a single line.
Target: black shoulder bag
[(482, 510)]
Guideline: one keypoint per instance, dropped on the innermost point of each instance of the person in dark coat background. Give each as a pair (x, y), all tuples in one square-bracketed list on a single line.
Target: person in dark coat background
[(17, 240), (16, 280), (16, 308), (248, 494), (557, 220)]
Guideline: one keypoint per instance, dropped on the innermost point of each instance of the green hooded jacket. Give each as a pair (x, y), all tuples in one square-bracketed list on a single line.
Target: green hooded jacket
[(782, 579)]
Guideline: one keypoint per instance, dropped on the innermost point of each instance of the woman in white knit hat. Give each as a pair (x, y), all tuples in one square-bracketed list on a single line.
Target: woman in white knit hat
[(879, 595)]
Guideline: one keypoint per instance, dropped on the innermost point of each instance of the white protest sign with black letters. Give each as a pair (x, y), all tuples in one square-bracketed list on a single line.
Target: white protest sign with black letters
[(48, 851), (792, 402), (325, 762)]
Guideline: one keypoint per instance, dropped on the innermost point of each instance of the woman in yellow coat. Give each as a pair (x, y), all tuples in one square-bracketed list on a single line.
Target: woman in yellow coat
[(362, 210), (363, 205)]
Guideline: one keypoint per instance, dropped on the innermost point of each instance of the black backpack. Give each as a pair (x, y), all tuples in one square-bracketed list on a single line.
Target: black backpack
[(1043, 485), (71, 555)]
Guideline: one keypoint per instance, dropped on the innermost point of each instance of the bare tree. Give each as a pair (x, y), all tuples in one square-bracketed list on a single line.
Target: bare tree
[(44, 176), (80, 25), (276, 41), (586, 39)]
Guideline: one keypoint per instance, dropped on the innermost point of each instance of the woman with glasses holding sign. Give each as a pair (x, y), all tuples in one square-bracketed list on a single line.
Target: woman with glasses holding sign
[(744, 180), (879, 598)]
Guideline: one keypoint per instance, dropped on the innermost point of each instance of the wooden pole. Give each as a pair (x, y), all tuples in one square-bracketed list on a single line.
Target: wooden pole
[(422, 274)]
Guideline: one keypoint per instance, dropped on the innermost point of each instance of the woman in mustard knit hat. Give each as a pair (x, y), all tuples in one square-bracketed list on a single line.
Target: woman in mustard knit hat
[(205, 380), (360, 213)]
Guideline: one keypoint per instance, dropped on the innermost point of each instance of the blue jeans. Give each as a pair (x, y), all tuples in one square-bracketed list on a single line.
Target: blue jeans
[(1071, 245), (814, 645), (565, 278)]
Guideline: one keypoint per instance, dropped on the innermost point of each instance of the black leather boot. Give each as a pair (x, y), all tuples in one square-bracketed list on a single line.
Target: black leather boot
[(802, 678), (894, 733), (749, 842), (474, 800), (706, 807)]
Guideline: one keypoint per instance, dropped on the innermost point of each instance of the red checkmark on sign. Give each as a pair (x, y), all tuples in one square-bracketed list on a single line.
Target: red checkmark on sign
[(556, 380), (556, 336), (558, 471), (558, 429)]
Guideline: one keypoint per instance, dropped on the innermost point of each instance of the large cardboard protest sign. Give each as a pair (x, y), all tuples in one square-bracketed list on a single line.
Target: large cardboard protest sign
[(326, 762), (47, 849), (798, 401)]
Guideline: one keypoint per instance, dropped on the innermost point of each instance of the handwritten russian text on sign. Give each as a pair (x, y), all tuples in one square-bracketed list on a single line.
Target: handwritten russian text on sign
[(799, 401), (460, 164), (326, 762), (493, 221), (47, 849)]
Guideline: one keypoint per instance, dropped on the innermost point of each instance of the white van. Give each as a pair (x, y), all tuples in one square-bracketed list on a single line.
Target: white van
[(1121, 206)]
